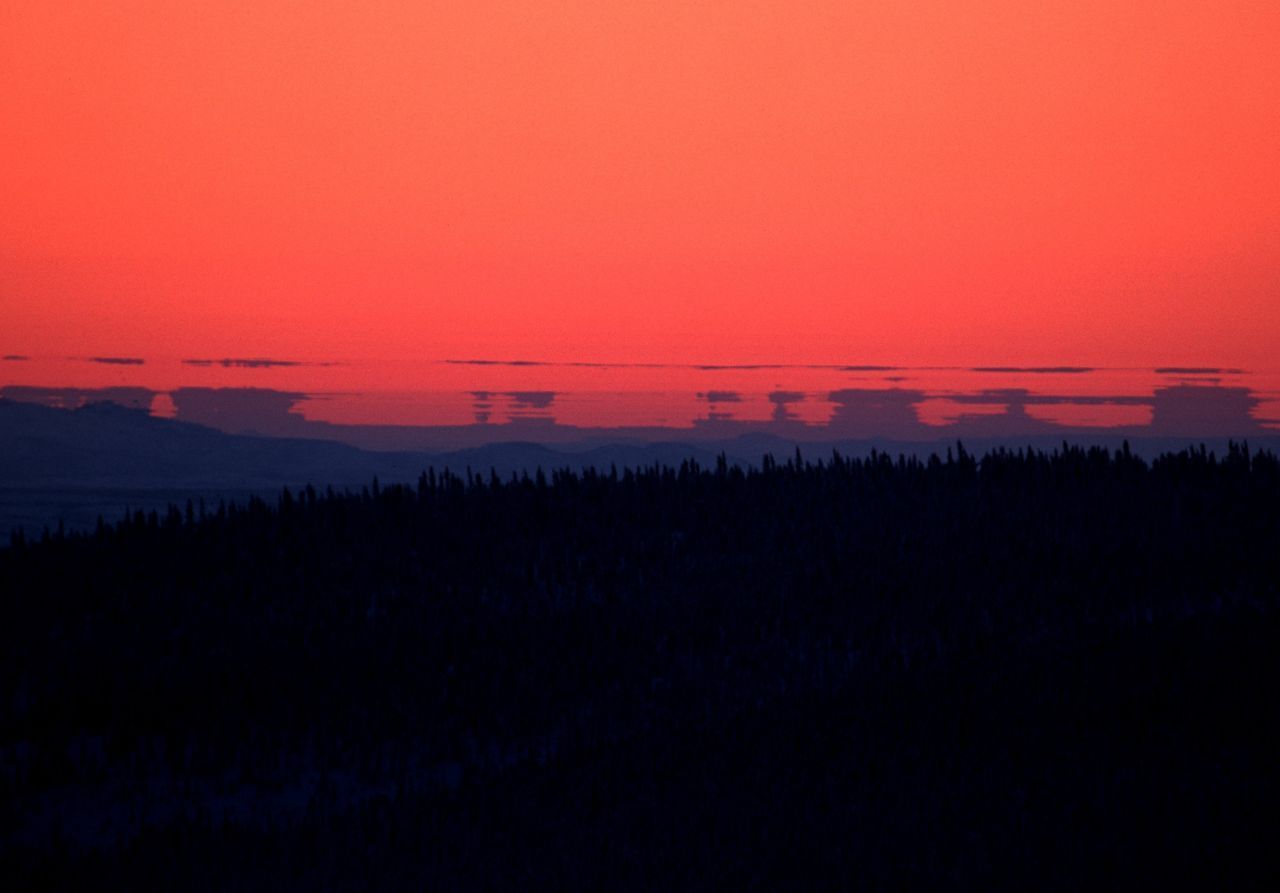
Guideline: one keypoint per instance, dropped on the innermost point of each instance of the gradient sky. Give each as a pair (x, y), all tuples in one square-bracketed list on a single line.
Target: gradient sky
[(950, 182)]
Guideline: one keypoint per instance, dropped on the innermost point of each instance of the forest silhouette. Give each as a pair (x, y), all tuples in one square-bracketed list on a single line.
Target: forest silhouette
[(1025, 668)]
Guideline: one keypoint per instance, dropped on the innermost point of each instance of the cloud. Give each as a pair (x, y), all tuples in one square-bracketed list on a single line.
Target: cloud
[(734, 367), (1192, 410), (876, 412), (1022, 395), (533, 399), (483, 406), (786, 396), (1196, 370), (15, 358), (496, 363), (74, 398), (781, 400), (118, 361), (259, 410), (721, 397), (251, 363), (701, 367), (1036, 370), (573, 364)]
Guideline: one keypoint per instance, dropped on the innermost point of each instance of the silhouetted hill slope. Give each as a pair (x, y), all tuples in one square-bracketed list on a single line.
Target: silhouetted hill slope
[(108, 445), (70, 466), (104, 444), (1025, 670)]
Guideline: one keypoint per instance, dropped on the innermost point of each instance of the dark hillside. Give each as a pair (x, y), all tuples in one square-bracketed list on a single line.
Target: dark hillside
[(1044, 670)]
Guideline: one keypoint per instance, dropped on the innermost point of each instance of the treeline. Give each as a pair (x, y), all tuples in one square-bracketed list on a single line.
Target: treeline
[(1027, 666)]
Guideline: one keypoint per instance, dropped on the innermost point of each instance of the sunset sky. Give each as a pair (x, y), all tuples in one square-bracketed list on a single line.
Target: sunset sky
[(950, 182)]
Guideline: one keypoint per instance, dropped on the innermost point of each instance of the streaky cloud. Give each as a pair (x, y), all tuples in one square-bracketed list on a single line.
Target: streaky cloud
[(1036, 370), (118, 361), (533, 399), (478, 362), (254, 363), (700, 367)]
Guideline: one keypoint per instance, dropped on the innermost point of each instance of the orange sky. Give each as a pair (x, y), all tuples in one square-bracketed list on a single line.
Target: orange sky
[(951, 182)]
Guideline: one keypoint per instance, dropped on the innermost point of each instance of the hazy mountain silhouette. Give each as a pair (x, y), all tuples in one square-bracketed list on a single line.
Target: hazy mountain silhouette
[(71, 465), (109, 444), (101, 458)]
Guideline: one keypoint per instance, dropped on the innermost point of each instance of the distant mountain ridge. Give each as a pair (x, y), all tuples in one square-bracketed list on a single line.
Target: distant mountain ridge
[(70, 465), (105, 444), (108, 445)]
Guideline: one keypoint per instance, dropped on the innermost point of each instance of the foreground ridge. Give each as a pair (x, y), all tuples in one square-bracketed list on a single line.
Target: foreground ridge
[(1024, 666)]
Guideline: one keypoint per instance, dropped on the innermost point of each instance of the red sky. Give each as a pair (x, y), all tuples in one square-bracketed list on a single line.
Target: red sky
[(951, 182)]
